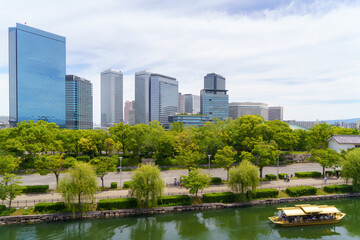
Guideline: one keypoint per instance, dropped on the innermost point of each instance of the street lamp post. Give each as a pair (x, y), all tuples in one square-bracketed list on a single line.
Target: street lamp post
[(120, 170), (209, 156)]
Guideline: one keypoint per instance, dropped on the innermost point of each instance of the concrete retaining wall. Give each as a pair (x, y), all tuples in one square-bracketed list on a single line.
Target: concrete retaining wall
[(159, 210)]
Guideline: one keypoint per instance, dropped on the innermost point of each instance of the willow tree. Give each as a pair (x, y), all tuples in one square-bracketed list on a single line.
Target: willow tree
[(147, 185), (244, 176), (351, 168)]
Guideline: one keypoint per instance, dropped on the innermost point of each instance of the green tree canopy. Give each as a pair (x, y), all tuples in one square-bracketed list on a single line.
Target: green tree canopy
[(244, 176), (224, 158), (147, 185), (46, 164), (266, 154), (325, 157), (79, 185), (318, 135), (351, 168), (10, 187), (195, 181), (8, 164), (102, 165)]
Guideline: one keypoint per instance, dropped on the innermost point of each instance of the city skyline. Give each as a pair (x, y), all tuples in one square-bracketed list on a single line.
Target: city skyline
[(302, 55)]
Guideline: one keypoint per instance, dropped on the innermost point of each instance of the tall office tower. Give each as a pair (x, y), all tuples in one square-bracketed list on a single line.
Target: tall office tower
[(214, 102), (181, 104), (238, 109), (192, 104), (36, 75), (129, 105), (276, 113), (156, 97), (79, 103), (111, 97)]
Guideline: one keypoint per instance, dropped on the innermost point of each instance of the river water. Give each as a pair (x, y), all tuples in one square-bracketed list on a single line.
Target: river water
[(240, 223)]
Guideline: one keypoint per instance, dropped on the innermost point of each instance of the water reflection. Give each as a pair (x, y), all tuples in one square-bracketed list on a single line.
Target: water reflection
[(147, 228), (191, 226)]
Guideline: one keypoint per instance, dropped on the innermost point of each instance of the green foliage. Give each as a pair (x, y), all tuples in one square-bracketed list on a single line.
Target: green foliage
[(113, 185), (195, 181), (243, 176), (177, 200), (308, 174), (69, 162), (330, 173), (351, 168), (83, 158), (35, 189), (7, 211), (225, 157), (301, 191), (49, 207), (79, 185), (262, 193), (318, 135), (147, 185), (50, 163), (127, 184), (116, 203), (10, 187), (102, 166), (215, 180), (266, 154), (225, 197), (325, 157), (338, 188), (270, 177), (8, 164)]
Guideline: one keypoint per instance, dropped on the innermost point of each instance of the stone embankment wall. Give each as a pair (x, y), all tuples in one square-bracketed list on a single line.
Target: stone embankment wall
[(297, 158), (140, 211)]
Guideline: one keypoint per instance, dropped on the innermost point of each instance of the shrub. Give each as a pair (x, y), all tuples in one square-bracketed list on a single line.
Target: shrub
[(174, 200), (263, 193), (45, 207), (113, 185), (2, 208), (117, 203), (343, 188), (127, 184), (225, 197), (35, 189), (308, 174), (330, 188), (215, 180), (282, 175), (301, 191), (330, 173), (83, 158), (270, 177)]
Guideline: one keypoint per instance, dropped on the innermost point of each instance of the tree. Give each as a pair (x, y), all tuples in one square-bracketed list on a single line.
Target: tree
[(10, 187), (224, 158), (79, 185), (87, 146), (351, 168), (102, 165), (266, 154), (8, 164), (109, 146), (50, 163), (243, 176), (147, 185), (325, 157), (195, 181), (187, 149), (318, 136)]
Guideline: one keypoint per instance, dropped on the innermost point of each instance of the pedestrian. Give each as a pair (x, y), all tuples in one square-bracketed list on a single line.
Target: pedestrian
[(288, 180), (325, 179), (285, 178)]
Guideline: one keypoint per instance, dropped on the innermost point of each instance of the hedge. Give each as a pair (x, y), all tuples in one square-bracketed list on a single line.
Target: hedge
[(338, 188), (225, 197), (270, 177), (44, 207), (308, 174), (35, 189), (113, 185), (282, 175), (83, 158), (262, 193), (2, 208), (116, 203), (301, 191), (127, 184), (174, 200), (215, 180), (330, 173)]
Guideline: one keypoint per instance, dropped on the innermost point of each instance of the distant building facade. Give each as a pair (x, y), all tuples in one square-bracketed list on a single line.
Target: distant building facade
[(304, 124), (214, 102), (36, 75), (156, 97), (181, 103), (79, 103), (190, 119), (128, 107), (192, 104), (276, 113), (4, 122), (111, 97), (239, 109), (343, 142)]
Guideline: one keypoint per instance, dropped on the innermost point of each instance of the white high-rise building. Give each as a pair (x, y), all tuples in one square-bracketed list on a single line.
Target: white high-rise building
[(111, 97)]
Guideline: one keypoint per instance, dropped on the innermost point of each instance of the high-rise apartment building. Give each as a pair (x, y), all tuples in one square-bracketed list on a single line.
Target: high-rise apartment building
[(181, 104), (214, 102), (276, 113), (111, 97), (156, 97), (192, 103), (128, 107), (79, 103), (239, 109), (36, 75)]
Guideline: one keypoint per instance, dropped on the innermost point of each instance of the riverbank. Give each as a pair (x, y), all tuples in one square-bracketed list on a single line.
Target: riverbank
[(160, 210)]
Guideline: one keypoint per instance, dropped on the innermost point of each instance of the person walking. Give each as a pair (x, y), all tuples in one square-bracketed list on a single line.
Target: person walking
[(285, 178), (325, 179)]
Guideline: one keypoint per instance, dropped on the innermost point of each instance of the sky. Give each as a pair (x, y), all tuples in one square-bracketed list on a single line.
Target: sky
[(302, 55)]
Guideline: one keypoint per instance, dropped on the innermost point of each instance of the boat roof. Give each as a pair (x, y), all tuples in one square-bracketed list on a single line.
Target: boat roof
[(308, 209)]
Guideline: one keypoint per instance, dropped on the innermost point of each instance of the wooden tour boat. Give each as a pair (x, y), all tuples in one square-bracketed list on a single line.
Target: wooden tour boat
[(307, 214)]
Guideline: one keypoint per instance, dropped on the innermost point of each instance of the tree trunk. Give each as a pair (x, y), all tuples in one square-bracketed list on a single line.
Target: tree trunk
[(57, 179), (323, 172), (79, 198), (10, 203), (261, 169), (102, 182), (227, 174)]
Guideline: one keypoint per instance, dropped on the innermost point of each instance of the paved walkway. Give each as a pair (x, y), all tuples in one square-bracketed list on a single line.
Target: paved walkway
[(29, 200)]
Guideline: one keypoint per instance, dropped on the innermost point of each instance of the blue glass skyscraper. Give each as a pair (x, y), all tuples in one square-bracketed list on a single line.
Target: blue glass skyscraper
[(36, 75)]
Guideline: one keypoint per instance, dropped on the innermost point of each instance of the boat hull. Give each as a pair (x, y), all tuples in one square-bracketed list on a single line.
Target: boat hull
[(305, 223)]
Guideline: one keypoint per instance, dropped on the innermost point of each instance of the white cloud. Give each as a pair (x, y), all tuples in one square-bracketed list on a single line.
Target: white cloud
[(283, 54)]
